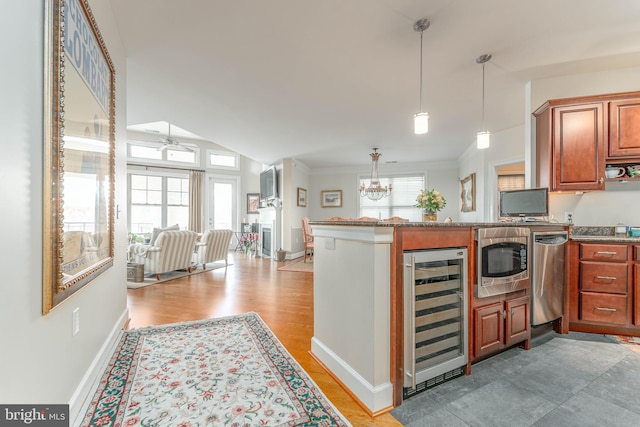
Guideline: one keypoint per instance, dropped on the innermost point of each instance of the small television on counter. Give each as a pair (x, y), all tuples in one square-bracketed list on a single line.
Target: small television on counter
[(526, 203), (268, 184)]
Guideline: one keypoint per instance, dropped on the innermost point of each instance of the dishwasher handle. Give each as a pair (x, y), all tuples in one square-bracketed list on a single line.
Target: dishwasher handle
[(555, 239)]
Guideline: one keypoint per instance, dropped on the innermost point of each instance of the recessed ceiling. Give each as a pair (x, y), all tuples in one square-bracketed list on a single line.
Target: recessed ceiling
[(325, 81)]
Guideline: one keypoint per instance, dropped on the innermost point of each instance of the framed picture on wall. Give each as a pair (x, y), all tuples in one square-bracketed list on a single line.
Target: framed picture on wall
[(468, 193), (302, 197), (331, 198), (253, 203)]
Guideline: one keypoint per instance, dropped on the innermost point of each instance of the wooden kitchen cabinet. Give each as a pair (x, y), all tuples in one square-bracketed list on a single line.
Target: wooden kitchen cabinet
[(601, 295), (577, 137), (571, 146), (636, 285), (501, 324), (489, 329), (517, 320), (624, 128)]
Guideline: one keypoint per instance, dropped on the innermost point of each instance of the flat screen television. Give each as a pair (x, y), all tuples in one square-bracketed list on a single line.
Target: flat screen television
[(531, 202), (268, 184)]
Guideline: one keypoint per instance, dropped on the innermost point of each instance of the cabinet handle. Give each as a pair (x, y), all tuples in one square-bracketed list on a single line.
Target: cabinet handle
[(607, 253), (504, 314), (605, 278), (513, 313), (611, 310), (601, 180)]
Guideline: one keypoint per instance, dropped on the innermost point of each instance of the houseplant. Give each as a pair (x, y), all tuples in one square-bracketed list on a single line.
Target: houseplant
[(430, 201)]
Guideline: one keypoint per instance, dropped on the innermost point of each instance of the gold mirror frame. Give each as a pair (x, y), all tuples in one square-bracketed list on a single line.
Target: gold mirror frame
[(79, 152), (468, 193)]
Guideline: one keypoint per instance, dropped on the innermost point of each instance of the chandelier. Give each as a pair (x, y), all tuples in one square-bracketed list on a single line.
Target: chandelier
[(374, 191)]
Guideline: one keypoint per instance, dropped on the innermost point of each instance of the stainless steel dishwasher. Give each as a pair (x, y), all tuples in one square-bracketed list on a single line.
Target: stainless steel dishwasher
[(547, 275)]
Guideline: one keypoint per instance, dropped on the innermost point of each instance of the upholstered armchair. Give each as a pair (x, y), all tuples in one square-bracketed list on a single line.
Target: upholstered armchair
[(213, 246), (172, 250), (308, 239)]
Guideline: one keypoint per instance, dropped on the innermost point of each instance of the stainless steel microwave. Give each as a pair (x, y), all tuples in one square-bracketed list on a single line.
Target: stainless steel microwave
[(503, 263)]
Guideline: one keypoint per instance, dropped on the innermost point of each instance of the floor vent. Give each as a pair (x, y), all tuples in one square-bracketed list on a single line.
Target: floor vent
[(431, 383)]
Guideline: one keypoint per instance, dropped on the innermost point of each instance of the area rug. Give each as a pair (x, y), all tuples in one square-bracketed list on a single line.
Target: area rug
[(172, 275), (298, 265), (229, 371)]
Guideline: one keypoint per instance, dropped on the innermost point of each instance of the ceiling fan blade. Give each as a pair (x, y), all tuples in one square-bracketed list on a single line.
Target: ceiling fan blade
[(181, 147)]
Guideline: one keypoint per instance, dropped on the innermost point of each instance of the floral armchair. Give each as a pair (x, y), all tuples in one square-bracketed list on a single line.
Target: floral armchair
[(172, 250)]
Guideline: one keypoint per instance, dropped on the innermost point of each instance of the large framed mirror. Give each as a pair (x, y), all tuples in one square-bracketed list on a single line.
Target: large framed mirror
[(79, 152)]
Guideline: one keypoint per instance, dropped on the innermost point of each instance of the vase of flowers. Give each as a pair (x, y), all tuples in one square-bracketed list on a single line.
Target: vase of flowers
[(430, 201), (249, 243)]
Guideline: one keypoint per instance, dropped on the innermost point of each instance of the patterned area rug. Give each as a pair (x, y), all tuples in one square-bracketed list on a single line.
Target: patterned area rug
[(230, 371)]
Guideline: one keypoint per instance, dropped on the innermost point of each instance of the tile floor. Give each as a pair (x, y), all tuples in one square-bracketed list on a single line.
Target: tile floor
[(563, 380)]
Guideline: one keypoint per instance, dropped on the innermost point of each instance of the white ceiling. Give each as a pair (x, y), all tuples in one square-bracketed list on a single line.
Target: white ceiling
[(325, 81)]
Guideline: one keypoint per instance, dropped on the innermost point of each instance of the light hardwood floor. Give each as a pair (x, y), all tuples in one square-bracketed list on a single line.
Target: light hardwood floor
[(283, 299)]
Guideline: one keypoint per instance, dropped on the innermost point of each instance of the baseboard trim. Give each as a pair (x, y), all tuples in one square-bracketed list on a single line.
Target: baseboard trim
[(81, 397), (294, 255), (374, 399)]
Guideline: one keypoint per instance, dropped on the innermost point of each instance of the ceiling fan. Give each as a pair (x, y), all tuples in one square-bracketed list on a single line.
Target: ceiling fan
[(174, 144)]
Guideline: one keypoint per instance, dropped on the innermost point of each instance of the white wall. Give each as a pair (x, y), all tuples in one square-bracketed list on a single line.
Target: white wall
[(41, 362), (507, 147), (295, 175), (620, 202), (442, 176)]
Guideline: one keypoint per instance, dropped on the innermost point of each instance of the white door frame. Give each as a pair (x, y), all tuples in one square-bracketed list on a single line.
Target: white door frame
[(235, 181), (492, 185)]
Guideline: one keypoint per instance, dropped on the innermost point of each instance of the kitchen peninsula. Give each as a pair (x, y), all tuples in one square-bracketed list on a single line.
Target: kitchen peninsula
[(359, 299)]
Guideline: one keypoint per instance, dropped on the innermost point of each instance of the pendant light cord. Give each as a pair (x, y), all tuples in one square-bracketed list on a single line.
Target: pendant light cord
[(483, 123), (421, 34)]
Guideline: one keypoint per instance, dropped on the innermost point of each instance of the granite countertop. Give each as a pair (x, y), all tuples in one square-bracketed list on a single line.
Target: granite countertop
[(577, 233), (433, 224), (602, 239), (599, 234)]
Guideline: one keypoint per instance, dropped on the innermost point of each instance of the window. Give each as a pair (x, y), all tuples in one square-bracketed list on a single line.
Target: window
[(400, 202), (157, 200), (151, 153), (142, 152), (510, 182), (222, 160)]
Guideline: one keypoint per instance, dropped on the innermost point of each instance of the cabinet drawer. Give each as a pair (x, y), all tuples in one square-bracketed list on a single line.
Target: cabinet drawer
[(603, 277), (603, 308), (603, 252)]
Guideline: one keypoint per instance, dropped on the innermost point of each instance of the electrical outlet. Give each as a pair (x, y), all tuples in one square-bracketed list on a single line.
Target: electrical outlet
[(568, 217), (75, 321)]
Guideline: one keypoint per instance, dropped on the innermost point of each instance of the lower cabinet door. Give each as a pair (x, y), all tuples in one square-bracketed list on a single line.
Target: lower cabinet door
[(489, 325), (517, 320), (636, 289)]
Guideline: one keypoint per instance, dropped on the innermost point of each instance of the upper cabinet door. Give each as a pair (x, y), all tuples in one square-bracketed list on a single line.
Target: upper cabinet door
[(624, 128), (579, 147)]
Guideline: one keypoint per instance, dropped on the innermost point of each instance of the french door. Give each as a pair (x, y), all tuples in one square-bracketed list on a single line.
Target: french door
[(222, 202)]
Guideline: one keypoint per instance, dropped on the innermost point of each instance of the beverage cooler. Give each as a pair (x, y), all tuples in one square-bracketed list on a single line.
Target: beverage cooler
[(435, 317)]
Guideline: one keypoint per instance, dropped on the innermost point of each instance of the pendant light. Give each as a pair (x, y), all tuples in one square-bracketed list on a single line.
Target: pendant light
[(375, 190), (421, 119), (483, 137)]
